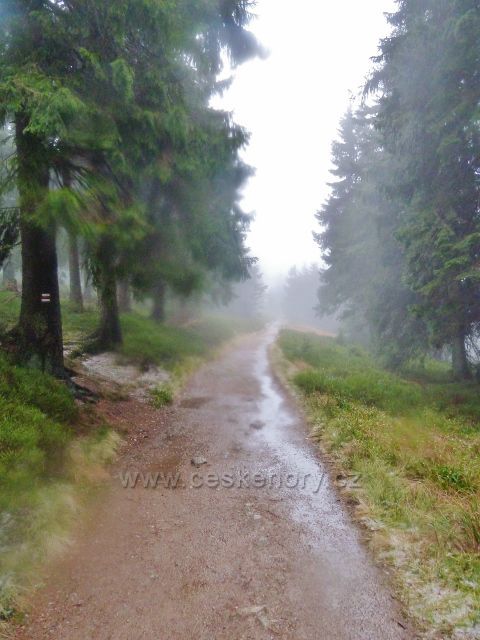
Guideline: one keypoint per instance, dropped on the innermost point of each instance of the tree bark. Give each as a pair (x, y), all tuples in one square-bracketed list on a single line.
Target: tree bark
[(109, 334), (184, 311), (8, 273), (39, 340), (124, 296), (460, 364), (76, 296), (159, 295), (89, 293)]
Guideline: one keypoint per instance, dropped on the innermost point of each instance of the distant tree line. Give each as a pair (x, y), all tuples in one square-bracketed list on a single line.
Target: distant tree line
[(298, 299), (110, 136), (400, 231), (246, 299)]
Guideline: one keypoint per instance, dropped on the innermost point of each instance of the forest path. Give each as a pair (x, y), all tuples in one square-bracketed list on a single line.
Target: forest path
[(241, 562)]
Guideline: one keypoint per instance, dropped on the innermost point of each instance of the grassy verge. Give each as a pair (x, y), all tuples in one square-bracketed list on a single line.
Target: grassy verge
[(414, 440), (48, 461)]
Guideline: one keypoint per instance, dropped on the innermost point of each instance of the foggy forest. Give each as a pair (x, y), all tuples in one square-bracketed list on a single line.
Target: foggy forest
[(239, 319)]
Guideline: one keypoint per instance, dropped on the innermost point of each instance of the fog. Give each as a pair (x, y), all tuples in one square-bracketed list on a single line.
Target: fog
[(319, 56), (239, 318)]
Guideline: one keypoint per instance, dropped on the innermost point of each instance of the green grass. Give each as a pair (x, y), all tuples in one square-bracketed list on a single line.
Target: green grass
[(45, 468), (147, 342), (353, 374), (161, 396), (9, 309), (36, 418), (414, 439), (77, 325)]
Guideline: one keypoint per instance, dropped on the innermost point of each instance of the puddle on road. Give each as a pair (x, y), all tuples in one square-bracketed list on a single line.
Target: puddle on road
[(278, 419), (284, 436)]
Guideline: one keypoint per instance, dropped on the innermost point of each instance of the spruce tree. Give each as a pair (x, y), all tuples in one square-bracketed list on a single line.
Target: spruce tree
[(430, 91)]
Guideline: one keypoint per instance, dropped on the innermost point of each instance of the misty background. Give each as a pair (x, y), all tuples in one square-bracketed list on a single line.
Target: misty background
[(319, 57)]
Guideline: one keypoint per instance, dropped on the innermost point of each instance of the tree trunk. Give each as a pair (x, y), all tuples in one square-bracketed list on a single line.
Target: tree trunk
[(124, 296), (88, 290), (109, 334), (158, 309), (39, 340), (8, 273), (460, 365), (184, 311), (76, 297)]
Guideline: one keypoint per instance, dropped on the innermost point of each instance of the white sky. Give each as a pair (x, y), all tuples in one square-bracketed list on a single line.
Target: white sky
[(292, 103)]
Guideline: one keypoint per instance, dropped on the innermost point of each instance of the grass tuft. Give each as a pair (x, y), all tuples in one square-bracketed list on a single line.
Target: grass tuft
[(161, 396)]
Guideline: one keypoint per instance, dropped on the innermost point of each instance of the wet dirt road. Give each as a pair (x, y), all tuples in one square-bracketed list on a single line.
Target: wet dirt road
[(253, 544)]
